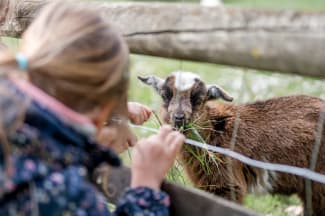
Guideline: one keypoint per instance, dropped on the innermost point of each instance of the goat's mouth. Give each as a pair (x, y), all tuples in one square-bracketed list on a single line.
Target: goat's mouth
[(179, 124)]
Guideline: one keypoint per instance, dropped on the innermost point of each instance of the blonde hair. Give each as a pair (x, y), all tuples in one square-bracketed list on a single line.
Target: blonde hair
[(74, 55)]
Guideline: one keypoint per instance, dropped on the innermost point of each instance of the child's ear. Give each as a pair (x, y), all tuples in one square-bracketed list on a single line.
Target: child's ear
[(216, 92), (153, 81)]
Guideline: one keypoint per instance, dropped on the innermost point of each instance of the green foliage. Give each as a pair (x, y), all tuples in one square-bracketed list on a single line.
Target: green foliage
[(271, 205)]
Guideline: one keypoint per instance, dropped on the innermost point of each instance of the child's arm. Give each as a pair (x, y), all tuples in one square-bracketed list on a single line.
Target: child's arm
[(152, 157)]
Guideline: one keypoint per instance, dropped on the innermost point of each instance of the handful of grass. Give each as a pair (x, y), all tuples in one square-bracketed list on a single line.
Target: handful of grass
[(205, 157)]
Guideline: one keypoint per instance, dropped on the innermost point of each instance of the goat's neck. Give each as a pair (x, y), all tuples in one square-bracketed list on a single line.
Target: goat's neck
[(200, 127), (210, 119), (200, 165)]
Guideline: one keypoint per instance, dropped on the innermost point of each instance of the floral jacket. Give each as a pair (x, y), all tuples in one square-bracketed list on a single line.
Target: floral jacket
[(50, 156)]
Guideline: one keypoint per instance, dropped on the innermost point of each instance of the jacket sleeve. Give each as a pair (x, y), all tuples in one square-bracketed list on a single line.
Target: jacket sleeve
[(143, 201)]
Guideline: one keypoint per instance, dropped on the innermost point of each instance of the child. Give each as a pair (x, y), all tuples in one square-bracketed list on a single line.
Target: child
[(77, 69)]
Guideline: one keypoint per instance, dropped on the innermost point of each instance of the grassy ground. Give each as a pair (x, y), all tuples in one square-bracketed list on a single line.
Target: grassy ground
[(244, 84)]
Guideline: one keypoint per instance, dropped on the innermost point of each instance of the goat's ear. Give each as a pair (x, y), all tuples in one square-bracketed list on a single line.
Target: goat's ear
[(153, 81), (215, 92)]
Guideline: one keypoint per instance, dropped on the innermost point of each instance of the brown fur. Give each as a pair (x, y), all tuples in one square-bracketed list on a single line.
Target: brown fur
[(279, 130)]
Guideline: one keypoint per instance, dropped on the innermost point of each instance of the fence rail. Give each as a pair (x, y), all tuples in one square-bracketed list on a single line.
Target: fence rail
[(184, 200), (283, 41)]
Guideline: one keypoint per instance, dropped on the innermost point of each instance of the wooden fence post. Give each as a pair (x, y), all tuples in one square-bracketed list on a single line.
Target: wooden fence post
[(16, 15)]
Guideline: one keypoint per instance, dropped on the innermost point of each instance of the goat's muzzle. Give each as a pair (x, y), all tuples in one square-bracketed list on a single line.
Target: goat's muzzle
[(179, 120)]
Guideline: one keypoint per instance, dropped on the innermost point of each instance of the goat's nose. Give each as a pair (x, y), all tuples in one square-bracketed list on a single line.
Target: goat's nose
[(179, 117)]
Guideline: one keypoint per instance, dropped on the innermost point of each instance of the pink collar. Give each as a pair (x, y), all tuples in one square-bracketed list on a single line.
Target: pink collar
[(51, 103)]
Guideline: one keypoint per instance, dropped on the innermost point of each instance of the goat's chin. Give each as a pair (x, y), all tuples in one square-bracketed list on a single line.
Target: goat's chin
[(179, 126)]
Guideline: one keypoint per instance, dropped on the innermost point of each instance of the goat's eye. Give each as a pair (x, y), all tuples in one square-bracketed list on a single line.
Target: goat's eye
[(167, 94), (195, 99)]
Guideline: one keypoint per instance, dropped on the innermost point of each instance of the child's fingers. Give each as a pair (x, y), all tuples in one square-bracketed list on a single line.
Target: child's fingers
[(148, 113), (176, 144), (140, 117), (132, 140), (138, 120), (164, 131), (139, 150), (134, 120), (147, 109), (144, 116), (170, 137)]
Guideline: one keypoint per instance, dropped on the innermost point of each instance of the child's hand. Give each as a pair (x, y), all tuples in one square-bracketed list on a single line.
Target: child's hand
[(117, 137), (138, 113), (154, 156)]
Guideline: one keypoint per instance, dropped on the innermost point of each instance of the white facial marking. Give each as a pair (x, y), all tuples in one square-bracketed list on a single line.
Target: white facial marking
[(184, 80)]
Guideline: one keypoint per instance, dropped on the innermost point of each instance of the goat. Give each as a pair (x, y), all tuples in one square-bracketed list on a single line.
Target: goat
[(278, 130)]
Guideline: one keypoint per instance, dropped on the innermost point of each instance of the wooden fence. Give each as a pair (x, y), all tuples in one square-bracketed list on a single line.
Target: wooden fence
[(282, 41), (184, 200)]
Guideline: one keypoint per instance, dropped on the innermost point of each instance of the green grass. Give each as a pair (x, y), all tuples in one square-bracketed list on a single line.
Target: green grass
[(271, 205)]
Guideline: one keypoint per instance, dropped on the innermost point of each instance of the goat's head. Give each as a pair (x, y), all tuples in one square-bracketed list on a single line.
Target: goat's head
[(184, 95)]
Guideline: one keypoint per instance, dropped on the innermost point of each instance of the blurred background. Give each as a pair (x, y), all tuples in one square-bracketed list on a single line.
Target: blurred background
[(245, 85)]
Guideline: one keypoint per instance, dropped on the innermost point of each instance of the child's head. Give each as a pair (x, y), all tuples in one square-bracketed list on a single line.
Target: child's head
[(74, 55)]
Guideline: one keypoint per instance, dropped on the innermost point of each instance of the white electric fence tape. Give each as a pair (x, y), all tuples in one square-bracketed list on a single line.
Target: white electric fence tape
[(303, 172)]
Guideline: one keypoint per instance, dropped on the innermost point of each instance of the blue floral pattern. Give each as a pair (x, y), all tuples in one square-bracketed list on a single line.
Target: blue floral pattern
[(145, 202), (50, 163)]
